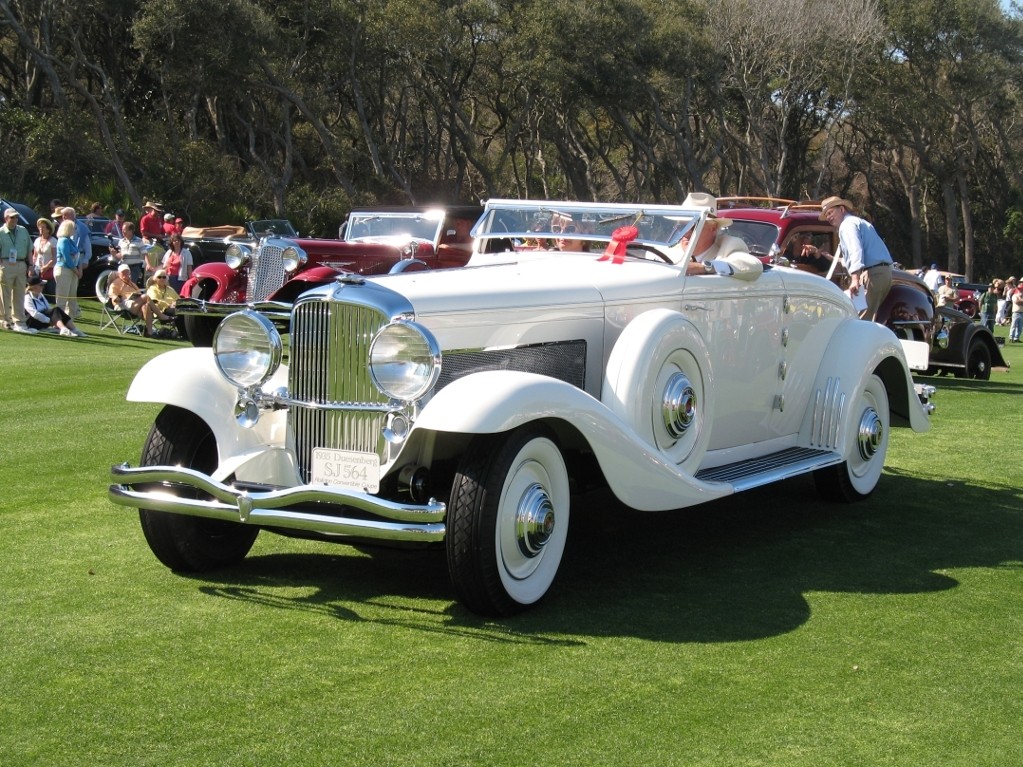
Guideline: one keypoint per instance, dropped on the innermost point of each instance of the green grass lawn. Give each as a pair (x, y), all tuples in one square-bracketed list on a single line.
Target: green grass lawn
[(767, 629)]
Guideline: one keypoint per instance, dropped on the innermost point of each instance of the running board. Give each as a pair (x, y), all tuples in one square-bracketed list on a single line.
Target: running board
[(744, 475)]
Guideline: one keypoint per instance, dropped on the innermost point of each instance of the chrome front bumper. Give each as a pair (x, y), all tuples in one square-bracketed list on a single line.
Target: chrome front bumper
[(273, 310), (321, 509)]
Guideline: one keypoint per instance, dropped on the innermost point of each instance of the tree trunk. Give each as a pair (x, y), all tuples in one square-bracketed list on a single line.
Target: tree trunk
[(951, 226)]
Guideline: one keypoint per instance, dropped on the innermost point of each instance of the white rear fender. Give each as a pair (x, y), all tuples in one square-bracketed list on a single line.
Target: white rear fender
[(189, 379), (857, 350), (498, 401)]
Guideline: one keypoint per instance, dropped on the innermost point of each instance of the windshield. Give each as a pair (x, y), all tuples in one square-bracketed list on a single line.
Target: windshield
[(759, 236), (406, 225), (278, 226), (536, 223)]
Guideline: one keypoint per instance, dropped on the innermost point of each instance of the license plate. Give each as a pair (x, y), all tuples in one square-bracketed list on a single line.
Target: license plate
[(353, 471)]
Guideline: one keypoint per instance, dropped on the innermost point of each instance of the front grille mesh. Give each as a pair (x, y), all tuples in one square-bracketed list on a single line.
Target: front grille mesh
[(329, 365), (266, 272), (564, 360)]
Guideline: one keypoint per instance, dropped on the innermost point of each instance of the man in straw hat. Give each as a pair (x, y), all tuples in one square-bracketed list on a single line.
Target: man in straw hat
[(711, 243), (151, 223), (866, 256)]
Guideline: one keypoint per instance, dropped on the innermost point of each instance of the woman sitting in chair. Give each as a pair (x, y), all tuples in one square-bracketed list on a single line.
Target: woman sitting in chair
[(126, 296), (162, 296)]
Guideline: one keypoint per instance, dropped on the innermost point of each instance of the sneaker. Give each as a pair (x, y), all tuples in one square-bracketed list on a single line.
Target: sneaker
[(66, 333), (79, 333), (20, 327)]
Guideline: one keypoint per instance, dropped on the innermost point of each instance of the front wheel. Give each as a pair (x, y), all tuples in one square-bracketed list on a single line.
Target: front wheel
[(857, 476), (199, 329), (508, 520), (184, 543)]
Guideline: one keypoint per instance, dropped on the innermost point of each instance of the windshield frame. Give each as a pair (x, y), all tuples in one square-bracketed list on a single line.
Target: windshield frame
[(385, 226), (528, 224)]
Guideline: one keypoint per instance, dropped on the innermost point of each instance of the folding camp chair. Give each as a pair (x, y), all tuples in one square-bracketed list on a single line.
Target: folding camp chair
[(121, 320)]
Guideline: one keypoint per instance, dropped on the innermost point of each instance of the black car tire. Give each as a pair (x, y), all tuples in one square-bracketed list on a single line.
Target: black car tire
[(185, 543), (508, 520), (199, 329), (978, 362)]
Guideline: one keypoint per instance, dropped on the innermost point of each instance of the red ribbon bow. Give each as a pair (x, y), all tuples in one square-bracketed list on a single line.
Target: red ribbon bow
[(620, 239)]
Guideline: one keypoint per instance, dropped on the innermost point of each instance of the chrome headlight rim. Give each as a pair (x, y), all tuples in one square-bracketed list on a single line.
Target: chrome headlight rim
[(404, 360), (293, 258), (247, 349), (237, 255)]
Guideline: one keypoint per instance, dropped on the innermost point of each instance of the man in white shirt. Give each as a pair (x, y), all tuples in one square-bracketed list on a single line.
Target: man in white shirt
[(933, 278)]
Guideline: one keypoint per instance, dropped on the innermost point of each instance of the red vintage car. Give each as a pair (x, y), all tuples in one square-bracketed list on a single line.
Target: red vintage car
[(772, 227), (269, 271)]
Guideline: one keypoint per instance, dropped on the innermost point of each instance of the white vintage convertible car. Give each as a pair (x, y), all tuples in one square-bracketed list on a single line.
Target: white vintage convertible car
[(454, 406)]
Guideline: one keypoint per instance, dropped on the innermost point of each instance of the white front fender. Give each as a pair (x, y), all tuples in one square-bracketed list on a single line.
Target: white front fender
[(189, 379), (498, 401)]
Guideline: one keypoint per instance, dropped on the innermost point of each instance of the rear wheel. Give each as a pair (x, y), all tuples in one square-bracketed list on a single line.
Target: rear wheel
[(978, 362), (508, 520), (184, 543), (200, 329), (857, 476)]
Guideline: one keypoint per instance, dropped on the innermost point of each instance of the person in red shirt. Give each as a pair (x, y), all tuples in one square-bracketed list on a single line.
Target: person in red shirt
[(168, 224), (151, 224), (114, 227)]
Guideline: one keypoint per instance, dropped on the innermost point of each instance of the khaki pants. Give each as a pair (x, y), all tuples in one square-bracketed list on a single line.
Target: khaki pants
[(876, 283), (67, 289), (13, 281)]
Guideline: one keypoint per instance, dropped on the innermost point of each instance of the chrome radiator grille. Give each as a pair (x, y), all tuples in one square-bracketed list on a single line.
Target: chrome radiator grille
[(328, 364), (266, 272)]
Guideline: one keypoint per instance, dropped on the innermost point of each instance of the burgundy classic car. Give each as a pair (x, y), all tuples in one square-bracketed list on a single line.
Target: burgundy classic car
[(267, 273), (772, 228)]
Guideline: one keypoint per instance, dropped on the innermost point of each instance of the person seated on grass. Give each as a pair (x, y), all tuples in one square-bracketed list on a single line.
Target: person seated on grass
[(126, 296), (162, 296), (41, 316)]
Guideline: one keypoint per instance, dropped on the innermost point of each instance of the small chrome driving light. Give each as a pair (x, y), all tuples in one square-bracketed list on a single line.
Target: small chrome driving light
[(293, 258), (247, 348), (404, 360), (237, 255)]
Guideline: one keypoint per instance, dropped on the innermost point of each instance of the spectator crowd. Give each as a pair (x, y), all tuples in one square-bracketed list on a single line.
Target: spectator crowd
[(39, 279)]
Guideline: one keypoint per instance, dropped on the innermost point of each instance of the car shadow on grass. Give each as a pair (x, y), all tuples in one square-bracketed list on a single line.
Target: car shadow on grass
[(733, 570)]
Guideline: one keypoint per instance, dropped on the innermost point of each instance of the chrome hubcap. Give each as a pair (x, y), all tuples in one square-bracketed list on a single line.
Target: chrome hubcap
[(678, 405), (870, 434), (534, 520)]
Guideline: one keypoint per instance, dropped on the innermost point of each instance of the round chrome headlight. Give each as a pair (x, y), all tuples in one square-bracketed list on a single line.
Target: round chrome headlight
[(236, 255), (404, 360), (293, 258), (247, 348)]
